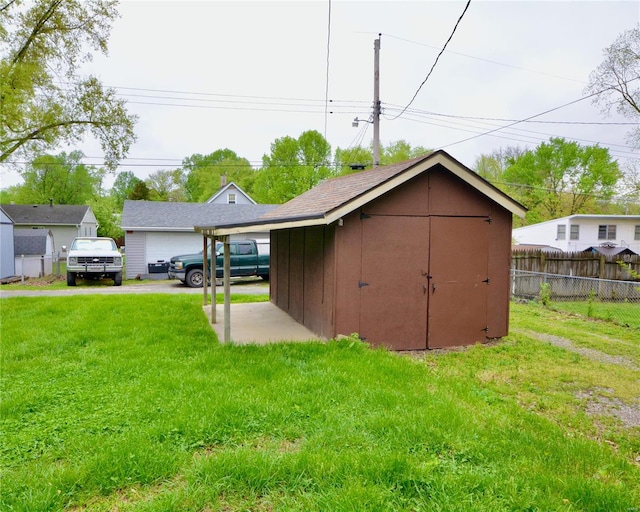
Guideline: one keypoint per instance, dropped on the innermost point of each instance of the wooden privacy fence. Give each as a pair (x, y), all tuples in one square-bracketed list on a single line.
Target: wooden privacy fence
[(579, 264)]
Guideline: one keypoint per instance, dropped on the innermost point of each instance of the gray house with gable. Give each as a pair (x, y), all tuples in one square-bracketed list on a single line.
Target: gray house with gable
[(65, 221)]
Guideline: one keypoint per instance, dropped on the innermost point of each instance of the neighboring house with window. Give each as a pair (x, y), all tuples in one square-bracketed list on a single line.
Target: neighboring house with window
[(65, 221), (576, 233), (230, 193)]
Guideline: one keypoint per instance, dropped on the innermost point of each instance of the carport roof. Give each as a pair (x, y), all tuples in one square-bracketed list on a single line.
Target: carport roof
[(336, 197)]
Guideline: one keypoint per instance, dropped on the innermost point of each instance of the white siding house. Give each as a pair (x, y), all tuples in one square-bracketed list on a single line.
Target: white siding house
[(576, 233), (7, 262)]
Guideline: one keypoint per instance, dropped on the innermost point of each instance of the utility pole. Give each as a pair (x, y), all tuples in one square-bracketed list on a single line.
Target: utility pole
[(376, 102)]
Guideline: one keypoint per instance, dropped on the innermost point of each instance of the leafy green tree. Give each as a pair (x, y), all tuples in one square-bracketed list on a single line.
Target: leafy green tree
[(352, 160), (140, 192), (108, 215), (165, 186), (123, 187), (45, 102), (204, 172), (358, 158), (10, 194), (63, 178), (492, 166), (617, 79), (293, 167), (399, 151), (561, 178)]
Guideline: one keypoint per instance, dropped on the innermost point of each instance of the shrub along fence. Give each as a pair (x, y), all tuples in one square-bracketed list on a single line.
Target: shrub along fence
[(576, 264)]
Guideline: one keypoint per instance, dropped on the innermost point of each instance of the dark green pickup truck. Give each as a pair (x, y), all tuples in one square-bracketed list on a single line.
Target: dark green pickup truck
[(248, 258)]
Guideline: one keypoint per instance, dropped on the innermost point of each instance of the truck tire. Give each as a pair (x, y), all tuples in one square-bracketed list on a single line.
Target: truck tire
[(71, 278), (117, 279), (194, 278), (265, 277)]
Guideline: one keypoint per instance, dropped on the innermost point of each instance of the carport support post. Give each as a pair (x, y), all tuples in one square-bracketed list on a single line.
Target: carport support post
[(205, 271), (214, 273), (226, 269)]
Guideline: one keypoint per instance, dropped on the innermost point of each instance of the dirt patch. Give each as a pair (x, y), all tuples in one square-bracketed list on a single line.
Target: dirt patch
[(598, 404), (589, 353)]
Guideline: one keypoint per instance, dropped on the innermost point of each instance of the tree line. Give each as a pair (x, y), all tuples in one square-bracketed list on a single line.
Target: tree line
[(46, 103)]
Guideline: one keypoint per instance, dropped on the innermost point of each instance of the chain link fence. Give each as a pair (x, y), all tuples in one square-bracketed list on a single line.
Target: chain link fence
[(606, 299)]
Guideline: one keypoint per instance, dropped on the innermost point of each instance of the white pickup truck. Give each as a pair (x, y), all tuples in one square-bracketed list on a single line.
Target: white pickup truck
[(94, 258)]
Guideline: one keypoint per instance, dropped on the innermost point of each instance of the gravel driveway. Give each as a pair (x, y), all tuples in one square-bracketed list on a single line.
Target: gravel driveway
[(240, 286)]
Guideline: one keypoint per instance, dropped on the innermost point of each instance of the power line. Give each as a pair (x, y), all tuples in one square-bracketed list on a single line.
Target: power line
[(632, 155), (535, 136), (488, 60), (523, 120), (437, 58), (427, 112), (326, 88)]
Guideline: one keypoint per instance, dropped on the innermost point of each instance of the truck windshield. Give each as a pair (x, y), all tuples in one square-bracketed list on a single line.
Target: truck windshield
[(94, 245)]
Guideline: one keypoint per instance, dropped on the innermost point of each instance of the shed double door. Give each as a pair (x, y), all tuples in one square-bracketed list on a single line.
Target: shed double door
[(424, 281)]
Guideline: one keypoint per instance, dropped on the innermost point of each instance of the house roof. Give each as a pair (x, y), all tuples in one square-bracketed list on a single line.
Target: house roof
[(535, 247), (30, 242), (45, 214), (610, 250), (336, 197), (224, 189), (170, 216)]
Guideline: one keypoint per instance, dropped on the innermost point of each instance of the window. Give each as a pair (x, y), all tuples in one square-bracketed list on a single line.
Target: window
[(607, 232), (244, 249), (575, 232), (231, 198), (636, 236), (562, 232)]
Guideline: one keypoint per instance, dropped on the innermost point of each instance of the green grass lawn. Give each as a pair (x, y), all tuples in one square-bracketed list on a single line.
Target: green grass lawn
[(128, 402), (623, 313)]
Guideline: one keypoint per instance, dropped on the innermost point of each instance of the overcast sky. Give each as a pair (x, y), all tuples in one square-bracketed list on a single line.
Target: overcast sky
[(207, 75)]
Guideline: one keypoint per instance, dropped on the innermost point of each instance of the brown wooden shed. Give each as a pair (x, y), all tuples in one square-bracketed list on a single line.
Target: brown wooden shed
[(414, 255)]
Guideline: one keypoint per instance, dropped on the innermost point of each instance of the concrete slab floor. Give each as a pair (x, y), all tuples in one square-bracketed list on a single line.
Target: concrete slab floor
[(259, 323)]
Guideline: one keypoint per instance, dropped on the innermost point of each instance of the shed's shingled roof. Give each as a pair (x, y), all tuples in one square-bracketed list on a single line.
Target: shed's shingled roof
[(183, 216), (336, 197), (335, 192), (44, 214), (30, 242)]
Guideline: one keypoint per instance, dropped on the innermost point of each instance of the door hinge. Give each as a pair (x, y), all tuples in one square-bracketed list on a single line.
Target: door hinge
[(364, 216), (489, 219), (361, 284), (487, 280)]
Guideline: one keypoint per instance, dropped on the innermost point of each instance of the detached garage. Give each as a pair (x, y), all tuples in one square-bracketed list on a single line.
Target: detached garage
[(155, 231), (411, 256)]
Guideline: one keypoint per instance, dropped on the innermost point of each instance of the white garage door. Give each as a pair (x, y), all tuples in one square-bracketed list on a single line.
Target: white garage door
[(163, 246)]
